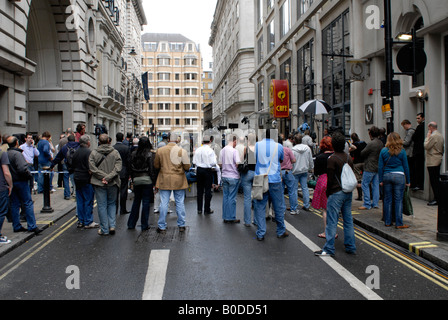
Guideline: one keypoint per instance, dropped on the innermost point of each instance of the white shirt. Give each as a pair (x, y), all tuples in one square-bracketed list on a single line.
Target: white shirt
[(204, 157), (29, 152)]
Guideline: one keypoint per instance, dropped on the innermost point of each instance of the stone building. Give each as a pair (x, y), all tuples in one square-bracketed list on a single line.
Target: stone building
[(233, 60), (64, 63), (173, 63), (335, 51)]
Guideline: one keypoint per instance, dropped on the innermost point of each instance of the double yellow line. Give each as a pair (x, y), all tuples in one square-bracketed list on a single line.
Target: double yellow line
[(20, 260), (418, 267)]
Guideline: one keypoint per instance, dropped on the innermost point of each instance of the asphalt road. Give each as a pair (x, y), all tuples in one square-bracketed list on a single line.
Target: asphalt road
[(212, 261)]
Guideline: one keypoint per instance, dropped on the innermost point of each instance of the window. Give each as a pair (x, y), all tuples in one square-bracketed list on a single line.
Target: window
[(163, 61), (190, 76), (164, 106), (177, 122), (285, 18), (163, 91), (190, 61), (336, 86), (303, 6), (191, 106), (177, 76), (260, 49), (164, 76), (305, 74), (177, 106), (271, 35), (260, 12), (190, 91), (150, 106)]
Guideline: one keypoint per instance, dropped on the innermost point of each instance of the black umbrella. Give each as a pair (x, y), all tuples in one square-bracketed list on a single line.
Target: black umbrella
[(316, 107)]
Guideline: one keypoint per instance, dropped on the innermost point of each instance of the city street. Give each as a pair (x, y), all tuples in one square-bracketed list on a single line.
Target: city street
[(211, 261)]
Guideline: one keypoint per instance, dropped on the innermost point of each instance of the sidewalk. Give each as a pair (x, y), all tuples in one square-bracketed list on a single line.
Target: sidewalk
[(60, 206), (420, 238)]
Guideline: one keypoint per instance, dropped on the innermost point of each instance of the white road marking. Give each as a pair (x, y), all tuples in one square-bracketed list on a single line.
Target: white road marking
[(156, 275), (344, 273)]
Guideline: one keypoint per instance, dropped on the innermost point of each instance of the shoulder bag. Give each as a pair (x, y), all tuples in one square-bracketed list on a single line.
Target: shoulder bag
[(260, 184)]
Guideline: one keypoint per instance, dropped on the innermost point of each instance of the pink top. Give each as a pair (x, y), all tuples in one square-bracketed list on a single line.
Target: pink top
[(288, 157)]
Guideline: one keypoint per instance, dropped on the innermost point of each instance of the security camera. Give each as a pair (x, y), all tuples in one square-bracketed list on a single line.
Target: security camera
[(245, 120), (274, 124)]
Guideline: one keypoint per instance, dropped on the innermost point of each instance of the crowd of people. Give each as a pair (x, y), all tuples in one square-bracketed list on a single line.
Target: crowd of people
[(383, 167)]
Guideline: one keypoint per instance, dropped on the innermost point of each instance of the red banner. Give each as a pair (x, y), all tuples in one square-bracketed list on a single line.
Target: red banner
[(279, 93)]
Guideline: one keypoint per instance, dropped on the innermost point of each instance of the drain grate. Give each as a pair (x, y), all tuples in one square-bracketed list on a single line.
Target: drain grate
[(172, 235)]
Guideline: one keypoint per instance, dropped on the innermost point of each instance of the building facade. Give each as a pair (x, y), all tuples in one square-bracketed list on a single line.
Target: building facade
[(173, 63), (233, 60), (64, 63), (207, 98), (335, 51)]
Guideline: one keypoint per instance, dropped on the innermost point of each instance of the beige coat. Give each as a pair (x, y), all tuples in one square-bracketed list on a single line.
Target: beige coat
[(434, 146), (172, 161)]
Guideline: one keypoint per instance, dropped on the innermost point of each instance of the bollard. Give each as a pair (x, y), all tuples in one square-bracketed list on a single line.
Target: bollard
[(47, 206), (442, 216)]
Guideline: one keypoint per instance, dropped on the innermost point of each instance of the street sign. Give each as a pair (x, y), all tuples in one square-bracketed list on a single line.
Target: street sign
[(279, 93), (396, 89), (405, 59)]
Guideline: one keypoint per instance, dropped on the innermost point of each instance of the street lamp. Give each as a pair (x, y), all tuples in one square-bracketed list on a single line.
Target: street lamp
[(132, 52)]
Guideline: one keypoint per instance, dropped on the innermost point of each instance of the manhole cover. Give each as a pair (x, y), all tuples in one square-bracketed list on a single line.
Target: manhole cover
[(172, 235)]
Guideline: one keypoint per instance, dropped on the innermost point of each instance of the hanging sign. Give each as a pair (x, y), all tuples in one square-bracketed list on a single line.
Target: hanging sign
[(279, 103)]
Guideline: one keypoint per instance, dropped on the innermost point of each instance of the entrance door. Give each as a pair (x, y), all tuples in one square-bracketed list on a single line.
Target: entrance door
[(52, 122)]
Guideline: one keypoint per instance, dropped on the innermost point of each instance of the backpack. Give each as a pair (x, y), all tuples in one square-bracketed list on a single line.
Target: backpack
[(348, 180), (69, 159)]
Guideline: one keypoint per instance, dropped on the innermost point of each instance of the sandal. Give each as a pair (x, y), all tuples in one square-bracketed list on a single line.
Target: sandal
[(321, 235)]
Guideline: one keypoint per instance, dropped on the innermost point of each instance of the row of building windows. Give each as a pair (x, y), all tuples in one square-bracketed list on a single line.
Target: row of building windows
[(169, 61), (177, 106), (176, 91), (175, 121), (168, 47)]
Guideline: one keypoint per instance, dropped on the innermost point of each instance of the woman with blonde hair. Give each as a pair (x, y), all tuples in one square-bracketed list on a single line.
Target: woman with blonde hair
[(393, 171)]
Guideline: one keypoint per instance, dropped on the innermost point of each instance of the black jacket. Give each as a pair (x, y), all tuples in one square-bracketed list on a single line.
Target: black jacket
[(419, 138), (124, 152), (18, 165), (81, 169)]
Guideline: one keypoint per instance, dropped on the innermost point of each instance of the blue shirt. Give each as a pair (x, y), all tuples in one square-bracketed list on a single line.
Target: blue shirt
[(267, 151), (389, 164), (44, 152)]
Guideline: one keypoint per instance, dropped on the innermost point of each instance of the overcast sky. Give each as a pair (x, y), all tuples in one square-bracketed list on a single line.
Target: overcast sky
[(191, 18)]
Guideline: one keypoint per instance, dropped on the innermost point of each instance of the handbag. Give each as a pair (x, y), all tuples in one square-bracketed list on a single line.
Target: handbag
[(244, 167), (260, 185), (408, 210)]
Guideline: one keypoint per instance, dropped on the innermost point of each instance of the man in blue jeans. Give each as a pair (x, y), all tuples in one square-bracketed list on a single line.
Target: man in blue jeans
[(21, 193), (338, 201), (269, 155), (304, 163), (371, 154), (229, 159), (105, 165), (6, 186)]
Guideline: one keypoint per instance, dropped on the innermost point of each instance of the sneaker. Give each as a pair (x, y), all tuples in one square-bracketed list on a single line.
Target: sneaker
[(101, 233), (92, 225), (322, 253), (112, 231), (4, 240), (294, 212)]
